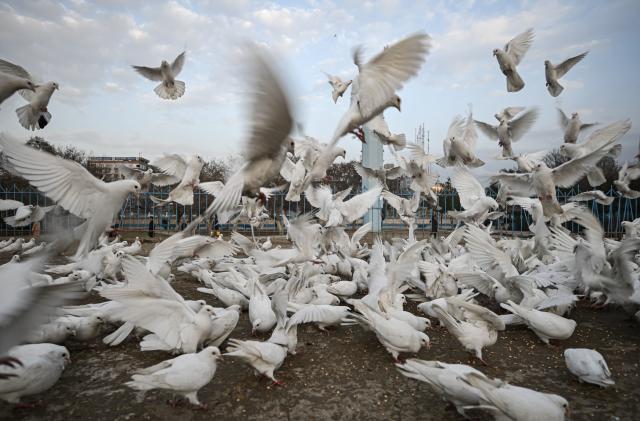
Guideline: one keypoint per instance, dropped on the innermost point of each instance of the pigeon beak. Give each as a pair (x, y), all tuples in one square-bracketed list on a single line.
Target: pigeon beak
[(67, 360), (567, 412)]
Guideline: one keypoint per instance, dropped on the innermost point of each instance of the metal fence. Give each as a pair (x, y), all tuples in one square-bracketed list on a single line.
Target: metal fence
[(137, 211)]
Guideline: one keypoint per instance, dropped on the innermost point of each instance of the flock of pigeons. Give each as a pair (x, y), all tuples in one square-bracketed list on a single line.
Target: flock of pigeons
[(464, 281)]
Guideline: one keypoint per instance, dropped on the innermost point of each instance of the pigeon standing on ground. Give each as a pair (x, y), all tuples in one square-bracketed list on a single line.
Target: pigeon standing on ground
[(511, 56), (185, 374), (554, 72), (169, 88), (41, 365), (589, 366)]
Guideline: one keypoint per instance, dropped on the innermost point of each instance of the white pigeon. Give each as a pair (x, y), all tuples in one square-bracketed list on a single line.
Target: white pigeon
[(511, 402), (553, 72), (335, 211), (13, 247), (85, 328), (508, 131), (509, 113), (406, 208), (25, 308), (34, 115), (295, 174), (322, 314), (13, 78), (28, 215), (72, 187), (339, 86), (477, 205), (148, 177), (542, 181), (187, 170), (222, 324), (572, 126), (374, 89), (169, 88), (526, 161), (186, 374), (626, 175), (478, 329), (588, 365), (310, 149), (150, 302), (381, 174), (445, 380), (511, 56), (460, 144), (7, 204), (544, 324), (268, 142), (395, 335), (602, 138), (266, 357), (378, 125), (597, 195), (261, 316), (41, 367)]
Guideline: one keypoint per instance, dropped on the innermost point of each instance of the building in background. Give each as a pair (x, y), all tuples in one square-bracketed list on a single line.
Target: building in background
[(108, 167)]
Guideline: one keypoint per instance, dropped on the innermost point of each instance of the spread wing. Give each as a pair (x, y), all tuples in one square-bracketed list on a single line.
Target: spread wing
[(385, 73), (517, 184), (522, 124), (468, 187), (212, 187), (178, 63), (569, 173), (565, 66), (6, 205), (563, 119), (393, 200), (151, 73), (24, 308), (66, 182), (518, 46), (359, 204), (487, 129), (271, 120), (172, 164)]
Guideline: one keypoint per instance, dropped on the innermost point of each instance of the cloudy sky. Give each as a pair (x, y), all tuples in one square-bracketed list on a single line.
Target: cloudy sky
[(105, 108)]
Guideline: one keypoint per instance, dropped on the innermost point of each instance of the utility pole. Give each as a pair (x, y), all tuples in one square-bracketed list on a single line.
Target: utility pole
[(372, 157)]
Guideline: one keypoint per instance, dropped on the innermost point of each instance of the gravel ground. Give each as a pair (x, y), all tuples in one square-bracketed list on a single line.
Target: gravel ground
[(345, 374)]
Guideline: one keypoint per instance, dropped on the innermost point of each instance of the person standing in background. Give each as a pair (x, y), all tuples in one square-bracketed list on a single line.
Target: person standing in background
[(35, 230), (151, 226), (434, 223)]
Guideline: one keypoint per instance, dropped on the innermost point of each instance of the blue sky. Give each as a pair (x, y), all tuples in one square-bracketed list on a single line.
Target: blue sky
[(106, 108)]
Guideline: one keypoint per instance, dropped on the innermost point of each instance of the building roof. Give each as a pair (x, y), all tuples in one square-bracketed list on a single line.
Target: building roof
[(118, 159)]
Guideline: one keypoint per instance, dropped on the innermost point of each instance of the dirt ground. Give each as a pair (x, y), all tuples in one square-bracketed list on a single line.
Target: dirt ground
[(343, 375)]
